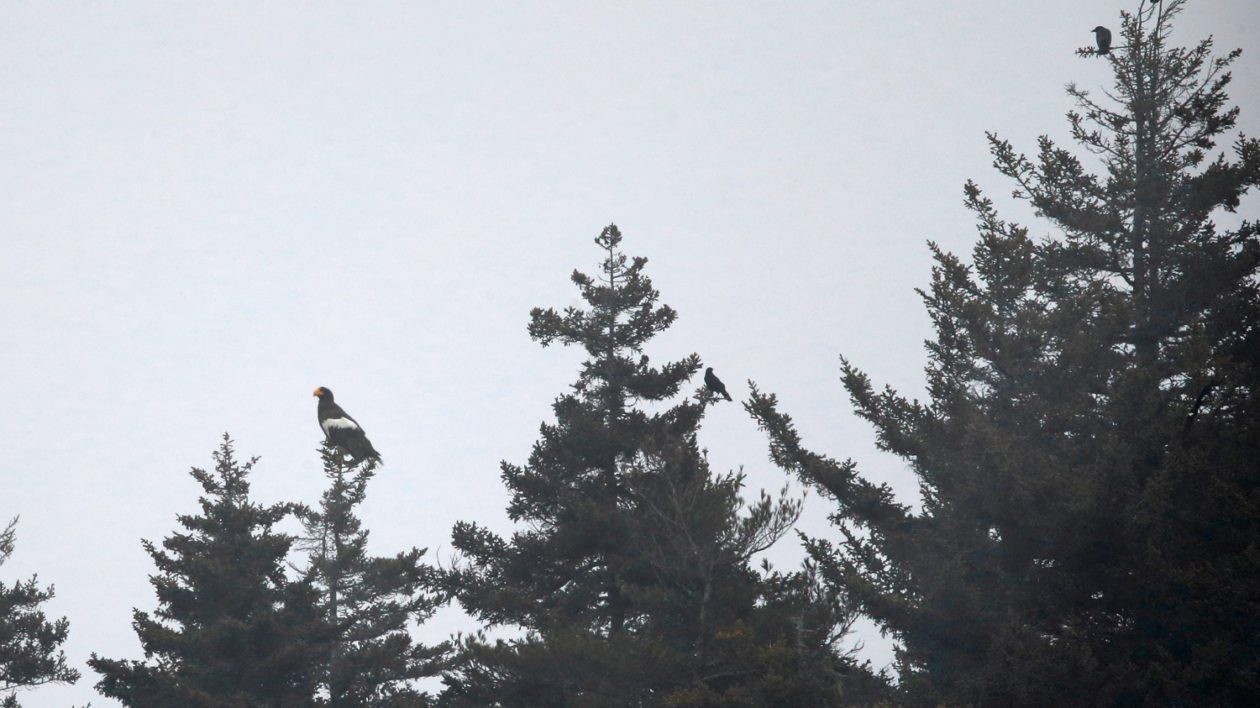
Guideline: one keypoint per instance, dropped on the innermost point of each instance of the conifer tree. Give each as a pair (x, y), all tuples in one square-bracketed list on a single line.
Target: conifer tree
[(29, 653), (1087, 458), (369, 602), (629, 575), (230, 629)]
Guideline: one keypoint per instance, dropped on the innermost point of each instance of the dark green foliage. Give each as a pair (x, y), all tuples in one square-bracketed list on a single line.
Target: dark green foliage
[(571, 493), (369, 602), (29, 654), (1088, 455), (629, 578), (230, 629)]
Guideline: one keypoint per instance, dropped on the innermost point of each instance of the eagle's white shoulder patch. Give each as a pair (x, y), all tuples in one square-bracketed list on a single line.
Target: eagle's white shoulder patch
[(341, 423)]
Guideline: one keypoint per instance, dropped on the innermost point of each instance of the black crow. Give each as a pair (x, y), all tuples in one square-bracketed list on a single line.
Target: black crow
[(1103, 36), (715, 384)]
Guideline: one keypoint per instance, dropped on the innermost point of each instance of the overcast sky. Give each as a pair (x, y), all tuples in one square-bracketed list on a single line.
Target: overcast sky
[(209, 209)]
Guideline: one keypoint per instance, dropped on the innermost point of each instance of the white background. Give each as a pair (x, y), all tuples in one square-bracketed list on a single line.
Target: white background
[(209, 209)]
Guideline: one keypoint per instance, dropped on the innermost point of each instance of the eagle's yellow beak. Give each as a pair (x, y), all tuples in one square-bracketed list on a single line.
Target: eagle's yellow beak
[(318, 392)]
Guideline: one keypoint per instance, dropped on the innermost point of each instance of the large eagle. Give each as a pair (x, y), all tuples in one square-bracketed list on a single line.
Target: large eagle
[(342, 431)]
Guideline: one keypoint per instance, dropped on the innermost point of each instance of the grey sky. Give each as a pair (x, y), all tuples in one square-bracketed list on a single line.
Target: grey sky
[(209, 209)]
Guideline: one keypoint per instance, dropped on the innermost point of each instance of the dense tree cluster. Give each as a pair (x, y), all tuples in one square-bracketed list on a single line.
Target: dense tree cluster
[(1088, 531), (236, 628), (1088, 453), (631, 578)]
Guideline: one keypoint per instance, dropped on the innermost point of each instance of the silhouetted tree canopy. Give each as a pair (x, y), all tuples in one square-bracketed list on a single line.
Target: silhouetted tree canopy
[(230, 629), (1087, 454), (29, 643), (629, 576)]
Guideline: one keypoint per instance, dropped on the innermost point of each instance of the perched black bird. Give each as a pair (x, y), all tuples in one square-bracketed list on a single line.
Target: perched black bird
[(715, 384), (1102, 35), (342, 431)]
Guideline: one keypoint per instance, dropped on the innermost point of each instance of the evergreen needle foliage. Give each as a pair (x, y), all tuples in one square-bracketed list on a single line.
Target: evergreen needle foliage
[(370, 603), (29, 653), (1088, 454), (628, 576), (230, 628)]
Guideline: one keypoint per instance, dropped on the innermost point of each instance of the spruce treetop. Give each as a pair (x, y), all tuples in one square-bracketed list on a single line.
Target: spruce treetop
[(230, 627), (623, 316)]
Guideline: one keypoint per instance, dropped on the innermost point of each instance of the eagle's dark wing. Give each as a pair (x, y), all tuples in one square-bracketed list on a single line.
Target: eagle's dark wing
[(342, 431)]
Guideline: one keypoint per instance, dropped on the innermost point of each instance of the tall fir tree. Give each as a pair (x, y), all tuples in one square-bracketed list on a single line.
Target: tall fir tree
[(369, 602), (630, 576), (1088, 455), (29, 644), (231, 629)]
